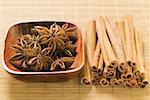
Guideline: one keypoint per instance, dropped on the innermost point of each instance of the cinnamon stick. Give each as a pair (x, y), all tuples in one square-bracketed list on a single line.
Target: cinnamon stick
[(106, 46), (128, 75), (86, 73), (96, 57), (138, 44), (109, 74), (115, 40), (86, 79), (128, 41), (121, 32), (100, 64), (133, 83), (122, 67), (120, 82), (145, 80), (114, 82), (127, 84), (90, 40), (104, 82), (132, 35), (100, 27)]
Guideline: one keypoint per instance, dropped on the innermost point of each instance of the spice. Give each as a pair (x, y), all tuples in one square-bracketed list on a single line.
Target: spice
[(46, 49), (118, 55)]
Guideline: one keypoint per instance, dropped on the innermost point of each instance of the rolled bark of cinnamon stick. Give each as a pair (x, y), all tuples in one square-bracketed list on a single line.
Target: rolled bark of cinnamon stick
[(96, 57), (114, 82), (86, 79), (109, 74), (107, 50), (86, 73), (145, 79), (120, 82), (128, 75), (94, 77), (90, 40), (131, 28), (127, 84), (121, 32), (133, 83), (115, 39), (120, 26), (104, 82), (140, 65), (100, 65), (122, 67), (128, 41), (100, 27)]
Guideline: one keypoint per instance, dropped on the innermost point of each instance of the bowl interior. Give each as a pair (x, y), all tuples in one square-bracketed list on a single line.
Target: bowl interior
[(21, 28)]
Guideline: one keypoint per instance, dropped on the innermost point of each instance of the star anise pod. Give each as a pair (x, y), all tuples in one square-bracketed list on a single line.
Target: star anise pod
[(41, 61), (67, 31), (36, 50), (70, 46), (55, 42), (62, 63), (41, 30), (28, 38), (23, 52)]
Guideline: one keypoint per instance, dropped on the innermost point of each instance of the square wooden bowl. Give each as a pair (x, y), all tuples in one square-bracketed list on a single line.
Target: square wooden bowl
[(11, 38)]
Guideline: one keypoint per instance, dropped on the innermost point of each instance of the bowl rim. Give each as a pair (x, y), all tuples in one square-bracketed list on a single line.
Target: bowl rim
[(6, 68)]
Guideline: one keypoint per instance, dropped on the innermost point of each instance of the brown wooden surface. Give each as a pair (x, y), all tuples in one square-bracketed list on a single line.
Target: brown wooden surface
[(79, 12)]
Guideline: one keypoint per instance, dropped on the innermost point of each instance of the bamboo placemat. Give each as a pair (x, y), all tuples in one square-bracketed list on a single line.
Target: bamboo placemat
[(78, 12)]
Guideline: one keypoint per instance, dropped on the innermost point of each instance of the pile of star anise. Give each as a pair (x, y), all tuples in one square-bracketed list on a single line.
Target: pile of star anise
[(46, 49)]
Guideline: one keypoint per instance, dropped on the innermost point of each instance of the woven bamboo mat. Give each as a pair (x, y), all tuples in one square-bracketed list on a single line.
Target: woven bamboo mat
[(78, 12)]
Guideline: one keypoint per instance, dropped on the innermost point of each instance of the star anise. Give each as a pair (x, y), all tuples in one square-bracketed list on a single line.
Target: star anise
[(41, 61), (23, 52), (55, 42), (62, 63), (28, 38), (67, 31), (41, 30), (71, 47), (36, 50)]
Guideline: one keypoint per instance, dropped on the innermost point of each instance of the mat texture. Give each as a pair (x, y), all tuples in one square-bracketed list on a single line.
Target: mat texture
[(78, 12)]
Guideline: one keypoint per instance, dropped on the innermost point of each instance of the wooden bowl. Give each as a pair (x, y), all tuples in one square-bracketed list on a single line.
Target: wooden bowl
[(11, 38)]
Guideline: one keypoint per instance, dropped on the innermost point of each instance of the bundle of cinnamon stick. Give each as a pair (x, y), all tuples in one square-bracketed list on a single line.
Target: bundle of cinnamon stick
[(114, 55)]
